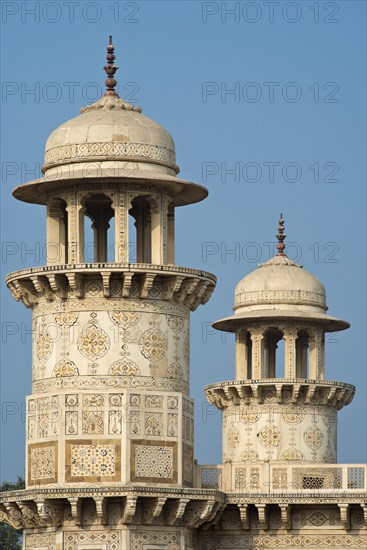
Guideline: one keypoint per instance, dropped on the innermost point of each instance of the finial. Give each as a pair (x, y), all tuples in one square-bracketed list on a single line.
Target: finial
[(281, 237), (110, 70)]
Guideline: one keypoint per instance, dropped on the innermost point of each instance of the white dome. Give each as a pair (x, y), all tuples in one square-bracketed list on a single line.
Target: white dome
[(279, 283), (111, 130), (280, 290)]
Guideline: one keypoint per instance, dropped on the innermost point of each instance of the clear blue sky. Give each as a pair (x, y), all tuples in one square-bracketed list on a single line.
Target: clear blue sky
[(293, 130)]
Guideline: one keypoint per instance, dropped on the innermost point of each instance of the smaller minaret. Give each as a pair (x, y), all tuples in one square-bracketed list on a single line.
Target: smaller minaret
[(280, 409)]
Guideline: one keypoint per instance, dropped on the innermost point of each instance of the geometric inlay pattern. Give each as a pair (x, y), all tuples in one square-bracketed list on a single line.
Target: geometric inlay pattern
[(311, 541), (155, 540), (92, 460), (42, 463), (108, 540), (153, 461), (45, 541)]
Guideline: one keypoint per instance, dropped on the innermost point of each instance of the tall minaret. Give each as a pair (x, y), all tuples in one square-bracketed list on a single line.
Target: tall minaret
[(110, 400), (279, 409)]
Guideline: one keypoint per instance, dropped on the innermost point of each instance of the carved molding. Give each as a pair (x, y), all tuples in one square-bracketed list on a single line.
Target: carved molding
[(301, 392), (141, 152), (304, 297), (189, 287)]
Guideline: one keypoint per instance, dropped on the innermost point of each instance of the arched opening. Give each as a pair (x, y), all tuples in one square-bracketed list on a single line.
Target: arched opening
[(273, 353), (302, 354), (98, 234), (57, 232)]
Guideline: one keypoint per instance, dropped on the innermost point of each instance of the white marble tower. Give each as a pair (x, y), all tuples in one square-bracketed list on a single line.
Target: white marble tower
[(280, 409)]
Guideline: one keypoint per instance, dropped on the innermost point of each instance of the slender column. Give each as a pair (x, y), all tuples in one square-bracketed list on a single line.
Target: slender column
[(322, 359), (171, 235), (290, 335), (75, 212), (120, 208), (241, 355), (164, 230), (56, 234), (157, 237), (249, 356), (315, 354), (257, 339), (71, 209)]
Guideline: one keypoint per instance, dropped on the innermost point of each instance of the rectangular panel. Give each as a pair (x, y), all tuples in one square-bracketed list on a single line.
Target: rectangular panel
[(154, 461), (42, 463), (93, 460)]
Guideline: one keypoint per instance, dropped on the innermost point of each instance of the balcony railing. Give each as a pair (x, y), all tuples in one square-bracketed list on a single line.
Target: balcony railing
[(263, 477)]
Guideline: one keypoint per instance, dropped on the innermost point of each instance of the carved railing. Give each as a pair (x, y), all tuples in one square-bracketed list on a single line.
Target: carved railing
[(264, 478)]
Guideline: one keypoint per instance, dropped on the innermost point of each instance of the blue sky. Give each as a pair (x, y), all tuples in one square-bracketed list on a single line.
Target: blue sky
[(266, 104)]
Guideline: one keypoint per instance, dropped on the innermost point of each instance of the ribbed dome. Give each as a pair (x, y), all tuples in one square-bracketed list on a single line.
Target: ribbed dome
[(111, 130), (279, 282)]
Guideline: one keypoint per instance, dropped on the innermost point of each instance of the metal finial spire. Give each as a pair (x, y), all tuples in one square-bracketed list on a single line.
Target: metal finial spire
[(281, 237), (110, 70)]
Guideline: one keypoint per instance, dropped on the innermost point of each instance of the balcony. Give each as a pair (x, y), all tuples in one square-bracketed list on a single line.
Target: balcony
[(282, 478)]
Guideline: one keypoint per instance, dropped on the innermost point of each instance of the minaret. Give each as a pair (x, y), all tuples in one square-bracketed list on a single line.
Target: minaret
[(110, 403), (279, 409)]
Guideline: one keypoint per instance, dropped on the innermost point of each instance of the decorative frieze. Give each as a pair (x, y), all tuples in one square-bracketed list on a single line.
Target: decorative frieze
[(118, 151)]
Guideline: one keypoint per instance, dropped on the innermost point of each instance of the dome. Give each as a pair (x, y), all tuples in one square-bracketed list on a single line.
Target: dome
[(279, 282), (111, 130), (277, 290), (110, 141)]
